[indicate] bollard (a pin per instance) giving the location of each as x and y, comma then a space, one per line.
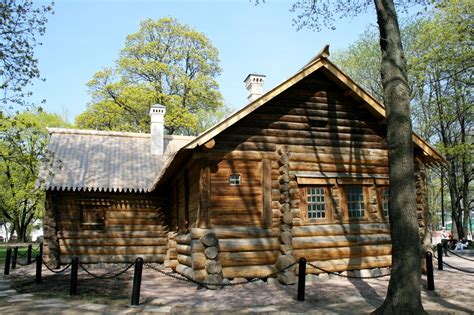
429, 271
439, 247
74, 268
137, 280
28, 257
8, 259
301, 278
39, 263
14, 257
41, 249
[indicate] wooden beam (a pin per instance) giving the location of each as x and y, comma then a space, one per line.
267, 193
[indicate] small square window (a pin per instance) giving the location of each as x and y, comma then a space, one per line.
234, 179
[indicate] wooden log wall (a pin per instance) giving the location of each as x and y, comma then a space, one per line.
134, 226
248, 252
323, 130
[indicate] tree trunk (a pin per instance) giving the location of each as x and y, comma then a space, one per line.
404, 290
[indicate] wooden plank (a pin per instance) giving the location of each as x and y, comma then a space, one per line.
84, 234
150, 241
230, 259
113, 250
249, 244
235, 232
230, 220
267, 193
346, 264
339, 240
318, 254
341, 229
91, 259
249, 272
204, 212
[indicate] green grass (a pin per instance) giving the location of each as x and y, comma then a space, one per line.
22, 251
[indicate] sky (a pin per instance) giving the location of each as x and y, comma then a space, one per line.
84, 36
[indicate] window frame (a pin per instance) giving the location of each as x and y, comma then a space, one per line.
381, 190
345, 205
93, 206
304, 202
237, 177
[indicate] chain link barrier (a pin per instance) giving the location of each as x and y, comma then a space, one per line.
460, 256
26, 264
56, 271
455, 268
104, 277
348, 276
181, 277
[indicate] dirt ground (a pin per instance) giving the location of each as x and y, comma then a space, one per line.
454, 292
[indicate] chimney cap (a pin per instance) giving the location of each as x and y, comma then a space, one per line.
254, 75
158, 106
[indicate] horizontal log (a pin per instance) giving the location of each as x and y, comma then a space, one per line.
152, 214
112, 250
346, 264
248, 271
333, 149
340, 229
183, 239
185, 260
133, 221
188, 272
316, 157
236, 154
229, 259
229, 220
248, 244
234, 232
339, 240
346, 168
197, 246
66, 259
113, 242
198, 260
183, 249
320, 254
87, 234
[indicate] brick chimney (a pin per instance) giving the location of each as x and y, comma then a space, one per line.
157, 128
254, 85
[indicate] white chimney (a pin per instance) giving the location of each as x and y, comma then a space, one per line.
157, 128
254, 85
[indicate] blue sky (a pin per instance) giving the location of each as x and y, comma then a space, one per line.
83, 36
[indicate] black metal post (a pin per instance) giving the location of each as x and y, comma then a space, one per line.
39, 265
41, 249
74, 268
301, 278
439, 248
8, 260
28, 257
429, 271
137, 281
14, 257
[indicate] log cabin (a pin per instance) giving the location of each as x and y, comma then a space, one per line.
300, 171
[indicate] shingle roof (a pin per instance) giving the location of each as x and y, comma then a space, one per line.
91, 160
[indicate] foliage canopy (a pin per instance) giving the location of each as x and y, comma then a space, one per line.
165, 63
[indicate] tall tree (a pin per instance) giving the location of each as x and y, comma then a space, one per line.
165, 62
23, 141
404, 291
442, 91
21, 23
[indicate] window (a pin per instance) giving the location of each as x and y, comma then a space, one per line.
316, 202
234, 179
355, 201
384, 200
93, 213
